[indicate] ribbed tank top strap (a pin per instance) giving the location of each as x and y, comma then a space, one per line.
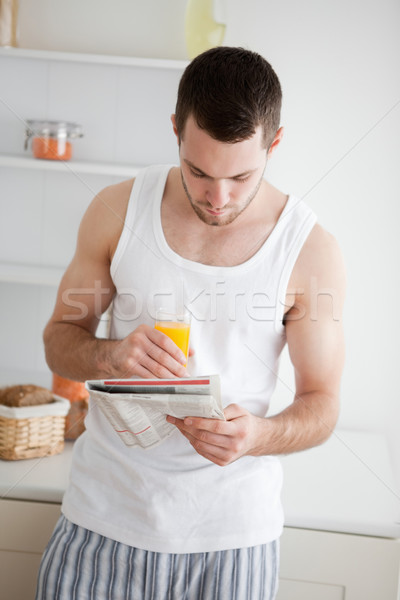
138, 202
301, 221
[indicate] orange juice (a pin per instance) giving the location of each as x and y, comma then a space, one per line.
178, 332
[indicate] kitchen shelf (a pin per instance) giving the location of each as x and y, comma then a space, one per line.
30, 274
129, 61
73, 166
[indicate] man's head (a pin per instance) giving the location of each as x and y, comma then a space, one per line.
230, 92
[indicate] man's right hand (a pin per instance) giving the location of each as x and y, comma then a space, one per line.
147, 352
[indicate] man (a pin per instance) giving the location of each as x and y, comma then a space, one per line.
198, 516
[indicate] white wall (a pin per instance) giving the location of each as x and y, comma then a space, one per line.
338, 63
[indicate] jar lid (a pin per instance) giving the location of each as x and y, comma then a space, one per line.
54, 129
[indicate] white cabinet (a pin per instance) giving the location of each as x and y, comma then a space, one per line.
320, 565
25, 529
315, 565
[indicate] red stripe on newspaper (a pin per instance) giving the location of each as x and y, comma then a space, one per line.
144, 382
133, 432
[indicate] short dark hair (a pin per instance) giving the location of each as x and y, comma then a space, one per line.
230, 92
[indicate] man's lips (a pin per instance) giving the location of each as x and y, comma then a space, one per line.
215, 213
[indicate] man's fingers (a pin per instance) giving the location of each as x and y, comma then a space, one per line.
233, 411
207, 446
208, 431
169, 369
153, 354
164, 343
222, 442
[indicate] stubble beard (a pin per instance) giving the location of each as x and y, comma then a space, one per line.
233, 214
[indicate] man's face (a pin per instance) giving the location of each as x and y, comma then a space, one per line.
220, 179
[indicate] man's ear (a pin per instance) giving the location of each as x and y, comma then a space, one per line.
276, 141
173, 121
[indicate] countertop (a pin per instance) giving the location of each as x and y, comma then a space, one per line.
345, 485
39, 479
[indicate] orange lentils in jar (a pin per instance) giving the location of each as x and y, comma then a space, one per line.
51, 148
51, 139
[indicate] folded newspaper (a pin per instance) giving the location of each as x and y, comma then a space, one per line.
137, 408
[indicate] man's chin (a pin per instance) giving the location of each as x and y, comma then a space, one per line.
214, 219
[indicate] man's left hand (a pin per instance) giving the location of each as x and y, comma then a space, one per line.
221, 442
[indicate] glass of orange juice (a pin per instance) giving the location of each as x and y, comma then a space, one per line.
176, 326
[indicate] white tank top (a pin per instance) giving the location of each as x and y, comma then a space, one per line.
169, 498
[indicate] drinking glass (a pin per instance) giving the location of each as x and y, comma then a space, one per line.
176, 325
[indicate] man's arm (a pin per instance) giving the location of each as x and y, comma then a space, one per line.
86, 291
315, 340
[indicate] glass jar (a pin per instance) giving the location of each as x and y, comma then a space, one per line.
51, 139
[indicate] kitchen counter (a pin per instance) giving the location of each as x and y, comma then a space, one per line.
39, 479
345, 485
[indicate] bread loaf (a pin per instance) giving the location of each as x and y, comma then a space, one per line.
25, 395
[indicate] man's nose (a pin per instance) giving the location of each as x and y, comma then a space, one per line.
218, 193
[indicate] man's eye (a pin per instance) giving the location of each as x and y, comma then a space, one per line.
242, 179
199, 175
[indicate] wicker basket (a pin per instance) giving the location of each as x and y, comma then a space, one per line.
34, 431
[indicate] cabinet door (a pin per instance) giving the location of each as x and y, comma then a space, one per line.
335, 566
25, 529
18, 574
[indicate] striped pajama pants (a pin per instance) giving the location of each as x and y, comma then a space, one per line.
81, 565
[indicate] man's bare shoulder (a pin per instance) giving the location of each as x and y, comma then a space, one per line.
320, 258
106, 214
319, 272
113, 200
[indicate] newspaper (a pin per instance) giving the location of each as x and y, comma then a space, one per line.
137, 408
